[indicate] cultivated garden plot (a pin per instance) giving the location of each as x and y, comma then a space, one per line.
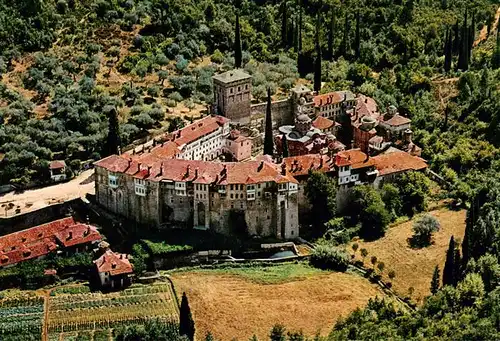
94, 314
21, 317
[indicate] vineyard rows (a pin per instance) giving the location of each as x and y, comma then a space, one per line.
78, 312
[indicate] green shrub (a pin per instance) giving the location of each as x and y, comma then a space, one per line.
329, 257
162, 248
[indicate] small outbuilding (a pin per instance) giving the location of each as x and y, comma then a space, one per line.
57, 170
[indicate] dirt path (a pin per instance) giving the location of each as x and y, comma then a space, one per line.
483, 34
34, 199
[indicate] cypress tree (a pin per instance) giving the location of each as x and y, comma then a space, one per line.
448, 52
268, 137
113, 141
467, 241
237, 44
495, 62
472, 35
343, 47
435, 280
186, 323
456, 41
299, 29
357, 40
331, 36
457, 266
317, 65
449, 265
284, 30
284, 144
299, 41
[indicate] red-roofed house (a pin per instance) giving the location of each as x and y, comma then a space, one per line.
354, 168
114, 269
63, 234
325, 125
396, 162
330, 105
238, 146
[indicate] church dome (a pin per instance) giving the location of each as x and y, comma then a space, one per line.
303, 118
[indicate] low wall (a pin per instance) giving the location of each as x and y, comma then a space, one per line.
75, 207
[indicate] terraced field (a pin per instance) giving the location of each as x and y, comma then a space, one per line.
92, 316
21, 318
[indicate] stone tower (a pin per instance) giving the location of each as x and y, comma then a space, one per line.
232, 90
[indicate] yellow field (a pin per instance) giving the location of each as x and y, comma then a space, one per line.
236, 303
414, 267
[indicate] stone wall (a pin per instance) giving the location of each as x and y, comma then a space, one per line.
75, 207
282, 111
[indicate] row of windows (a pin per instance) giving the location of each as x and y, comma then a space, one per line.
239, 88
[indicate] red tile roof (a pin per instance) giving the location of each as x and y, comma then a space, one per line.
57, 164
300, 165
366, 106
197, 129
43, 239
327, 99
396, 120
114, 263
166, 150
354, 158
196, 170
323, 123
397, 162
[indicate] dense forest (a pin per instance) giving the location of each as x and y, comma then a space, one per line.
74, 70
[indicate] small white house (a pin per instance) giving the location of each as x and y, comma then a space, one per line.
57, 170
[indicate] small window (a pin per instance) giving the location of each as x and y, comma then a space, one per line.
239, 88
246, 87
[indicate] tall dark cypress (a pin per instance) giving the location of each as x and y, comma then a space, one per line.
299, 29
449, 265
435, 280
331, 36
457, 266
464, 46
284, 146
467, 241
448, 52
317, 65
345, 44
237, 44
113, 141
357, 40
472, 36
284, 23
495, 62
268, 137
456, 40
186, 322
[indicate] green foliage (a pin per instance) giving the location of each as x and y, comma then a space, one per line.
321, 192
161, 249
278, 333
423, 229
435, 280
368, 209
329, 257
152, 330
414, 190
